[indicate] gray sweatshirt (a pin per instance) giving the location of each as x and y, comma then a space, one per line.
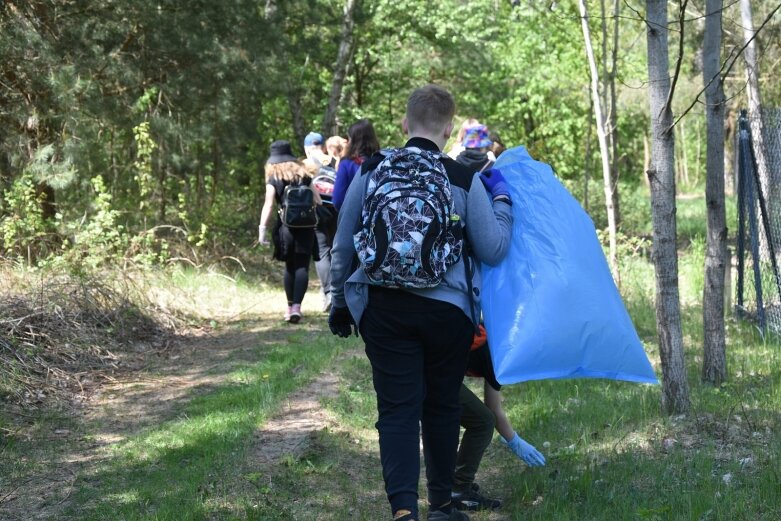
488, 228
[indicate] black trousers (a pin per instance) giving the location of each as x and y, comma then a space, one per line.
418, 350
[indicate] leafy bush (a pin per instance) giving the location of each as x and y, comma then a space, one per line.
22, 227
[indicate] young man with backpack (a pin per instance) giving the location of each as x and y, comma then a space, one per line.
419, 224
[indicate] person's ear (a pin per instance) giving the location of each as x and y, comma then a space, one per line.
405, 126
449, 130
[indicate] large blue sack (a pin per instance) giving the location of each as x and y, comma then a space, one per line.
551, 308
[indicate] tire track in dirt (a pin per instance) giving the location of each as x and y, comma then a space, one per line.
290, 431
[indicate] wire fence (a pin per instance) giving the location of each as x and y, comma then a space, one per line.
759, 219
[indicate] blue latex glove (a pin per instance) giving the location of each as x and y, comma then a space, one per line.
525, 451
495, 183
341, 322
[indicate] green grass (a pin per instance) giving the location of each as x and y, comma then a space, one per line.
176, 470
613, 455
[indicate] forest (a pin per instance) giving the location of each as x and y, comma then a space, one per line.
134, 138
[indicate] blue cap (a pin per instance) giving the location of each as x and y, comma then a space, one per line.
313, 139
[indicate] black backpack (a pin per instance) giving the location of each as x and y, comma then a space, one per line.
298, 207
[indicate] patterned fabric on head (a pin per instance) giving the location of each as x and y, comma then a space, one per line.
477, 137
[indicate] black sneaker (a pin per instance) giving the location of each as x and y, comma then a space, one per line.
454, 515
472, 500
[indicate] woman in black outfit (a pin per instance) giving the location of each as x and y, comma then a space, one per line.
293, 246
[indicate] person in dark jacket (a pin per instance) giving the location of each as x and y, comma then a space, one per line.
293, 246
417, 340
361, 145
476, 147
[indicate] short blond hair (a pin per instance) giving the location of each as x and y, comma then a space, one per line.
430, 108
335, 145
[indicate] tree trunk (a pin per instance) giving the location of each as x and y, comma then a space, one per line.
613, 116
297, 115
604, 150
609, 105
755, 112
714, 365
587, 162
346, 48
684, 155
661, 176
162, 174
729, 151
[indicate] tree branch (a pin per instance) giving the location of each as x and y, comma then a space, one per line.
723, 65
679, 61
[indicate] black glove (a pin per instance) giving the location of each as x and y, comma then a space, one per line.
341, 322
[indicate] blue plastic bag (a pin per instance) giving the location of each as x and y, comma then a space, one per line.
551, 308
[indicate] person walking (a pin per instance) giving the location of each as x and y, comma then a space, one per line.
292, 245
476, 147
417, 340
458, 144
479, 419
335, 147
362, 143
318, 161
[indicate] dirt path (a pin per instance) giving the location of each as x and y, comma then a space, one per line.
117, 410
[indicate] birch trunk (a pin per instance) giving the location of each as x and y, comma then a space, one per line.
346, 49
604, 150
714, 365
611, 121
661, 177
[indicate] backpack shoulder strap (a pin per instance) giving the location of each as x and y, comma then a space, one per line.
486, 165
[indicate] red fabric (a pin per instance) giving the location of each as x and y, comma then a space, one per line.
479, 339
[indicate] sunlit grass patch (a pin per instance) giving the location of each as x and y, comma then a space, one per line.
214, 295
176, 468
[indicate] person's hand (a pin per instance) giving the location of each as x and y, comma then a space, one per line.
262, 236
525, 451
341, 322
495, 183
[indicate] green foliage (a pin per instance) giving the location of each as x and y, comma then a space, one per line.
45, 167
145, 147
22, 225
99, 238
175, 108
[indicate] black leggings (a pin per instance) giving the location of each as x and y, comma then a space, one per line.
296, 277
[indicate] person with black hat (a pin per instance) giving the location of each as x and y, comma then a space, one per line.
293, 246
